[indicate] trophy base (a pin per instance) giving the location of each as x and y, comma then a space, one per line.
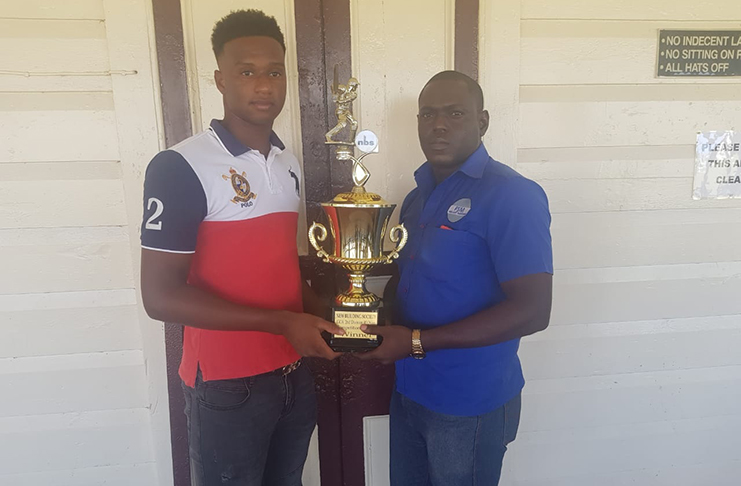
350, 319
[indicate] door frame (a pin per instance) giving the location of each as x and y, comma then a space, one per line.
348, 389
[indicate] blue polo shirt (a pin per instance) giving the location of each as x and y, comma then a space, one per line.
482, 226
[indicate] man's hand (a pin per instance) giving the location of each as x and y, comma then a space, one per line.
303, 331
396, 345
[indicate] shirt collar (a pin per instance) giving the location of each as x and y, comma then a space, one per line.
234, 146
473, 167
476, 163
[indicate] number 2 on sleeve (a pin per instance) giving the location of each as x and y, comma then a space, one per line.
151, 224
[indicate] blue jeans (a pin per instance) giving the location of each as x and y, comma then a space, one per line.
251, 431
434, 449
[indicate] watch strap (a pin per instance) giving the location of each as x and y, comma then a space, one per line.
418, 351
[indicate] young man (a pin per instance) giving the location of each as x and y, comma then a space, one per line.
475, 276
220, 258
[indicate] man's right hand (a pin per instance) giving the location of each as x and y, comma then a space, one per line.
303, 331
168, 297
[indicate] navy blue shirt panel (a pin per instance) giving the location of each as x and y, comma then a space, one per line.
174, 204
483, 225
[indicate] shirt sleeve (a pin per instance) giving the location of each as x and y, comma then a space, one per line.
519, 233
174, 205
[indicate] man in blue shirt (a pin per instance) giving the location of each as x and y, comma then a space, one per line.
475, 276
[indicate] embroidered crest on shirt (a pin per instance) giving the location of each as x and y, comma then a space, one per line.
241, 186
459, 209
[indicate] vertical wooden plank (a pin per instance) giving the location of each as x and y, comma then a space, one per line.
337, 51
322, 40
467, 37
129, 32
168, 31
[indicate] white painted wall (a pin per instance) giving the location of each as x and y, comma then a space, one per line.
638, 379
81, 367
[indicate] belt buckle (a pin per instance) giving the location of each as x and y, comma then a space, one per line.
290, 368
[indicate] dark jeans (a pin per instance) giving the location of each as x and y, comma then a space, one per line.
251, 431
434, 449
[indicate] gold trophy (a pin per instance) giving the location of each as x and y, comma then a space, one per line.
358, 222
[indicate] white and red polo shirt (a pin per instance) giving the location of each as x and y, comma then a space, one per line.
236, 211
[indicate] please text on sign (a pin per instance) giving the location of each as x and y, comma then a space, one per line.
717, 165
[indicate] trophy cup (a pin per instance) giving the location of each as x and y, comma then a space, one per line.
358, 222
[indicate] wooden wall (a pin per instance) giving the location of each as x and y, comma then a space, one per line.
638, 379
81, 368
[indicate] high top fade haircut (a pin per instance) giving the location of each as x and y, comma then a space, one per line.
473, 86
245, 23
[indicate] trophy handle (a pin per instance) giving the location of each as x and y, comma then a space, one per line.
399, 235
321, 237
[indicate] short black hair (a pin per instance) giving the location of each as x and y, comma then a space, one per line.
245, 23
473, 86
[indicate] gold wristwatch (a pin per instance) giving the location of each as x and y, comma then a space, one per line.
418, 351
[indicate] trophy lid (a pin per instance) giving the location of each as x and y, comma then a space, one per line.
358, 197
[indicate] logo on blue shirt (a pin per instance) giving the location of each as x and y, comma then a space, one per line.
459, 209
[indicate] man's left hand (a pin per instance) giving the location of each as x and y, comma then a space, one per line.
396, 345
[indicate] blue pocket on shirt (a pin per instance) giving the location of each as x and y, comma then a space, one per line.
447, 254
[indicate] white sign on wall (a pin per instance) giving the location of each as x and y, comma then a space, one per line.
717, 165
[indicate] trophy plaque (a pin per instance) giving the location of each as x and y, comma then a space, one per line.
358, 224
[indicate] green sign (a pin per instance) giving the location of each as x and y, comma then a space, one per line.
699, 53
